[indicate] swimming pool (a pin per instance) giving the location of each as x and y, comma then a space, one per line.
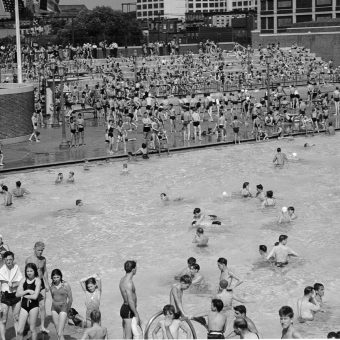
123, 218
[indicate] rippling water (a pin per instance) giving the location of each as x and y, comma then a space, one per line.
123, 218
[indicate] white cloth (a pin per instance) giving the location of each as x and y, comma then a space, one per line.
9, 275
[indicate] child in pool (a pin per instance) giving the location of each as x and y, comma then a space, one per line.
200, 239
200, 219
60, 178
70, 177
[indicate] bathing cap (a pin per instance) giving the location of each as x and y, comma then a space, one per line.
284, 209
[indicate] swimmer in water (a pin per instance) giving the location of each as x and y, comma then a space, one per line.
200, 239
79, 203
280, 158
263, 250
7, 197
307, 306
125, 170
281, 252
269, 201
284, 216
197, 279
86, 165
19, 191
70, 177
319, 292
259, 192
291, 213
165, 198
286, 319
201, 219
170, 325
245, 190
60, 178
186, 270
307, 145
226, 274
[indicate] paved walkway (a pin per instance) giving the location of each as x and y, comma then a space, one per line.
47, 152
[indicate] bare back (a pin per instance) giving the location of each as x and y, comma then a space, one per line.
96, 332
127, 288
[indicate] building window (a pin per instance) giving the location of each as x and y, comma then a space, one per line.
284, 4
205, 5
155, 5
239, 3
323, 2
212, 5
245, 3
138, 1
234, 4
161, 12
161, 5
139, 7
145, 13
198, 5
144, 6
150, 13
139, 14
191, 5
283, 22
149, 6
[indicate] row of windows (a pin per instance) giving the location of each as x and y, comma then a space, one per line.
150, 6
205, 5
149, 13
268, 5
244, 3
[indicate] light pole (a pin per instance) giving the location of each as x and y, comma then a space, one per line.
268, 60
135, 64
52, 66
64, 143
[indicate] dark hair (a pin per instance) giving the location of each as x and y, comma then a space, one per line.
269, 194
317, 286
195, 266
57, 272
191, 261
332, 335
197, 210
259, 186
263, 247
78, 202
185, 279
8, 253
218, 304
282, 238
143, 145
308, 290
276, 244
4, 188
291, 208
241, 309
235, 117
169, 309
200, 230
129, 266
222, 260
240, 323
89, 281
95, 316
245, 184
278, 149
286, 311
32, 266
18, 184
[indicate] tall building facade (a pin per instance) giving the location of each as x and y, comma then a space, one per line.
159, 9
241, 5
275, 16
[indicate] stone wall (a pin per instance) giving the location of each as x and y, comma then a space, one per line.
16, 108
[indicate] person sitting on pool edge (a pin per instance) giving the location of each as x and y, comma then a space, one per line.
170, 325
200, 219
144, 151
200, 238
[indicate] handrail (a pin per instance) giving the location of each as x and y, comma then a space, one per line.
154, 317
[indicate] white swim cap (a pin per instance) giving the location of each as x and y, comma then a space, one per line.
284, 209
294, 154
224, 194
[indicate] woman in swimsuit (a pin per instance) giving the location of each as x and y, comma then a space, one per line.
92, 288
61, 301
29, 289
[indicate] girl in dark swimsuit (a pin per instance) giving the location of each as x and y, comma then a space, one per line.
29, 289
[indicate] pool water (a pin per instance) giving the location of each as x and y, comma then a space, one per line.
123, 218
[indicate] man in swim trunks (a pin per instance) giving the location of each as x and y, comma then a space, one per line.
176, 295
307, 306
241, 329
280, 158
226, 274
281, 252
10, 277
286, 319
200, 239
128, 292
217, 320
40, 261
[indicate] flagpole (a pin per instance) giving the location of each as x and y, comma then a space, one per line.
17, 32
